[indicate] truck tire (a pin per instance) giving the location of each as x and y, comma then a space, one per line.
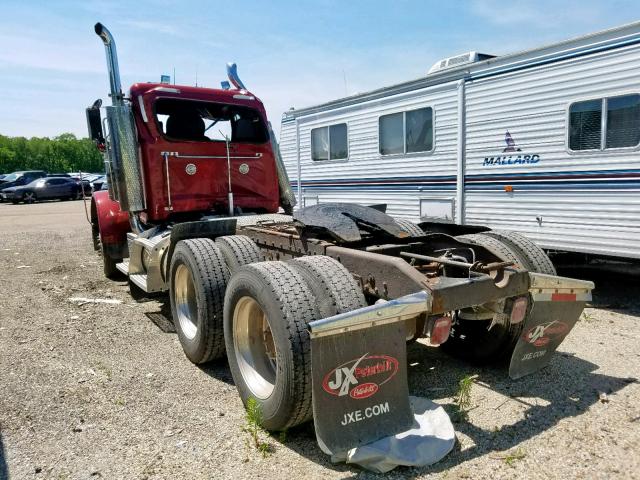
533, 256
238, 250
335, 289
109, 264
477, 341
411, 228
267, 308
497, 247
198, 278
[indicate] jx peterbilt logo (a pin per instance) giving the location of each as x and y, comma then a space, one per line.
513, 157
362, 377
540, 335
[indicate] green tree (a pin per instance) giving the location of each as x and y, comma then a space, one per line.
64, 153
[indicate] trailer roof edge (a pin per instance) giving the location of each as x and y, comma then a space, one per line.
598, 41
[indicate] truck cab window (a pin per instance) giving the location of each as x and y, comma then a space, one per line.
187, 120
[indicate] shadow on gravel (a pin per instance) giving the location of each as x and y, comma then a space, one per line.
162, 319
218, 370
616, 283
4, 469
566, 388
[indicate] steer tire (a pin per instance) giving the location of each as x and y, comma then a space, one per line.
532, 255
473, 340
411, 228
267, 308
109, 264
198, 279
335, 289
238, 250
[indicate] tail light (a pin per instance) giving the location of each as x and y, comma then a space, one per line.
438, 330
519, 309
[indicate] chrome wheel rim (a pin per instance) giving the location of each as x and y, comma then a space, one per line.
29, 197
255, 349
184, 297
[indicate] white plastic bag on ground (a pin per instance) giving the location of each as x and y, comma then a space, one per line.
431, 438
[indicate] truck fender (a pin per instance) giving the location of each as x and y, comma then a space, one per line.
112, 224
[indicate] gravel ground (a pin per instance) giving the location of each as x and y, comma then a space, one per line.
104, 391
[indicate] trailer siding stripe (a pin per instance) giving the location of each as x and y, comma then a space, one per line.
617, 179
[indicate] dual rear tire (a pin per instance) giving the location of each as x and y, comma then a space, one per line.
493, 340
268, 307
224, 298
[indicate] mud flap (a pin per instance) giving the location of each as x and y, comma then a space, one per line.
558, 303
359, 371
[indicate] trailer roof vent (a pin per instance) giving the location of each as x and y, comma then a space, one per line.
451, 62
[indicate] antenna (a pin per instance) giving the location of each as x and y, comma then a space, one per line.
344, 76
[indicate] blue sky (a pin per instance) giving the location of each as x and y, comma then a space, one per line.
289, 53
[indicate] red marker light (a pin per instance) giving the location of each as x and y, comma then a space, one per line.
563, 297
519, 310
439, 330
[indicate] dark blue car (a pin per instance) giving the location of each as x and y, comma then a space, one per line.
49, 188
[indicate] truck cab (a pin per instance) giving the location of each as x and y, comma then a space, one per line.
177, 153
196, 145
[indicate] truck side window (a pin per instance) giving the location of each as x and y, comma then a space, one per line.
406, 132
621, 123
189, 120
330, 143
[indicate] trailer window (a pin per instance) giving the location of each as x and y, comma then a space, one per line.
406, 132
189, 120
419, 130
330, 143
391, 133
621, 123
585, 125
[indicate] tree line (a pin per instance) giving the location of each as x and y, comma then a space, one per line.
62, 154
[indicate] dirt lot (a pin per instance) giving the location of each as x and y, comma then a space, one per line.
104, 390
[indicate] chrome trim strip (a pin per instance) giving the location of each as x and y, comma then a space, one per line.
166, 168
239, 157
398, 310
142, 110
166, 90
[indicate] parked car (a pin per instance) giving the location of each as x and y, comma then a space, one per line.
84, 181
49, 188
98, 182
17, 179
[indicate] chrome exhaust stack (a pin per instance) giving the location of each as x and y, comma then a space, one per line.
125, 179
232, 73
112, 63
287, 197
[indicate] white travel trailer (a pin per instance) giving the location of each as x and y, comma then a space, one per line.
545, 142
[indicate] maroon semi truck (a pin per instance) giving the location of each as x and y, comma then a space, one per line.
312, 307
